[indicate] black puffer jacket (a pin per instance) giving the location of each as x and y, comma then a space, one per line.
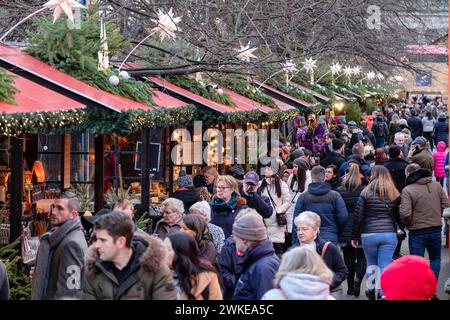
371, 215
350, 199
333, 158
416, 126
396, 168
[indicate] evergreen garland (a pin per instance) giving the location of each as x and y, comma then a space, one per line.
7, 89
294, 92
196, 87
242, 117
74, 51
247, 89
281, 116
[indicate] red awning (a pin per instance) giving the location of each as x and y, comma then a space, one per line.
314, 93
26, 62
283, 106
241, 103
33, 97
293, 99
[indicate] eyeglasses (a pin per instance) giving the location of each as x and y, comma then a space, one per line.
222, 187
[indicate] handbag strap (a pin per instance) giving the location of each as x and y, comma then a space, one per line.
391, 214
283, 293
271, 200
324, 249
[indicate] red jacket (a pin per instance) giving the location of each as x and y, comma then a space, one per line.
439, 159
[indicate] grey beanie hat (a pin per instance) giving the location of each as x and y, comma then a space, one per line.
300, 162
185, 181
250, 227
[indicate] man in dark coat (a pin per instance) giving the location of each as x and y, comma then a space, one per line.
186, 191
396, 166
254, 199
418, 153
327, 203
259, 262
415, 124
335, 156
60, 258
357, 155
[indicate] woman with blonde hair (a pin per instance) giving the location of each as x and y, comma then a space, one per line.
393, 125
211, 175
226, 203
374, 222
302, 276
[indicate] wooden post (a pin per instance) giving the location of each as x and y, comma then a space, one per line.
116, 162
145, 172
99, 172
65, 161
16, 190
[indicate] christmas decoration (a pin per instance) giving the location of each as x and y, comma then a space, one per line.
370, 75
336, 69
348, 71
166, 24
114, 80
309, 65
246, 53
7, 89
289, 67
356, 70
103, 53
63, 6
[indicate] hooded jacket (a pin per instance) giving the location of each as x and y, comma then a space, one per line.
396, 168
364, 165
257, 271
439, 159
148, 278
188, 196
415, 124
423, 201
333, 158
328, 204
228, 266
300, 286
423, 159
441, 130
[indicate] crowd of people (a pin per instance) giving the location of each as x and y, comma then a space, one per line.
298, 230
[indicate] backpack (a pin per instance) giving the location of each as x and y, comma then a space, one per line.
379, 129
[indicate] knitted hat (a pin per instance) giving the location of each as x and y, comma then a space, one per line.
250, 227
337, 144
199, 181
297, 153
300, 162
185, 181
408, 278
421, 141
237, 172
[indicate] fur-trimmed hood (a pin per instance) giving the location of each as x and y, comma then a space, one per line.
150, 248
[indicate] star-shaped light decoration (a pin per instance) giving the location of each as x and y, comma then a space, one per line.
348, 71
356, 70
370, 75
336, 68
380, 76
309, 64
398, 78
63, 6
289, 67
246, 53
166, 24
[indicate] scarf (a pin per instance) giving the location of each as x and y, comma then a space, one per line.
48, 243
222, 207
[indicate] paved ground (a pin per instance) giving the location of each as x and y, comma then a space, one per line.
443, 276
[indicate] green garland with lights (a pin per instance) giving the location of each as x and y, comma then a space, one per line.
196, 87
74, 51
7, 89
247, 89
281, 116
242, 117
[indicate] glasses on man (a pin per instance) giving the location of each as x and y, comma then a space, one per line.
222, 187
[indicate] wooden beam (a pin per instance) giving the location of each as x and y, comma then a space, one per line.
99, 172
145, 172
65, 161
16, 189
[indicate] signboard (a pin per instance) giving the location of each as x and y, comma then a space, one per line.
155, 156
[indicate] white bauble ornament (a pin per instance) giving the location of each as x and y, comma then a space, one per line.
220, 92
114, 81
124, 75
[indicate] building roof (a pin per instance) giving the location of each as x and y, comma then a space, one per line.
427, 49
33, 97
20, 59
308, 90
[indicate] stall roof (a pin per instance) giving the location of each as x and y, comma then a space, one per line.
33, 97
20, 59
242, 103
314, 93
280, 93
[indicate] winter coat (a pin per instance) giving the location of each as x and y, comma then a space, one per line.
423, 201
367, 133
188, 196
333, 259
294, 197
280, 205
333, 158
350, 198
207, 287
423, 159
371, 215
228, 266
364, 165
148, 277
439, 159
380, 129
61, 252
208, 252
396, 168
416, 126
163, 229
441, 131
4, 283
328, 204
300, 286
223, 214
334, 183
257, 271
428, 125
260, 204
391, 132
